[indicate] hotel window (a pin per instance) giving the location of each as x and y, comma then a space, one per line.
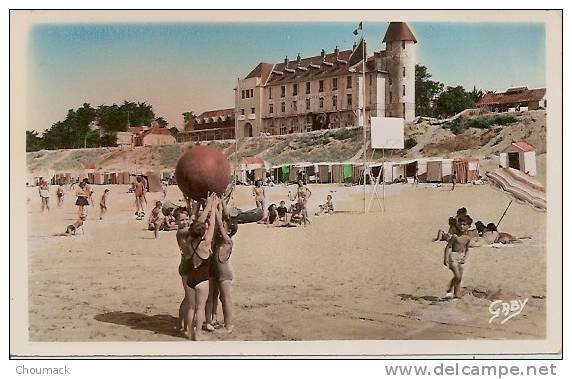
294, 106
252, 111
349, 82
349, 100
389, 81
390, 97
271, 110
307, 103
295, 89
321, 102
282, 129
251, 93
307, 87
270, 93
335, 101
283, 90
404, 90
283, 107
242, 92
403, 110
334, 84
403, 45
403, 71
242, 112
321, 86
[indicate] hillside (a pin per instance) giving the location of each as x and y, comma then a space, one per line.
484, 141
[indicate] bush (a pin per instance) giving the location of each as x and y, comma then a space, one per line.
457, 126
410, 143
479, 123
504, 119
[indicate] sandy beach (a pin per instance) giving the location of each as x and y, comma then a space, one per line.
345, 276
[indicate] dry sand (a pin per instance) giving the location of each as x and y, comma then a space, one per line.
346, 276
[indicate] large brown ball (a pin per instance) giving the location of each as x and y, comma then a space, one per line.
200, 170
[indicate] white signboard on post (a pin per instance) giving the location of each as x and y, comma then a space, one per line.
387, 133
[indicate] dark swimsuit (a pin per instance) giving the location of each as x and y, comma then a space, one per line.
200, 273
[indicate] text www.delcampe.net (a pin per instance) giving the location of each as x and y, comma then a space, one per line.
487, 370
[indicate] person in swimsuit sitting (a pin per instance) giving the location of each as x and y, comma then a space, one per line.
328, 207
282, 212
222, 270
195, 246
455, 256
156, 219
446, 236
271, 216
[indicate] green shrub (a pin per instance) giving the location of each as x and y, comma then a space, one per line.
410, 143
479, 123
504, 119
457, 126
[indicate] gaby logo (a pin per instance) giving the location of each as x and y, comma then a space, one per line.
505, 310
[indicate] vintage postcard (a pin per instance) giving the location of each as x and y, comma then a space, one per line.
286, 183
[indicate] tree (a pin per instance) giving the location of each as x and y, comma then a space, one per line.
162, 122
188, 117
476, 95
33, 141
425, 91
452, 101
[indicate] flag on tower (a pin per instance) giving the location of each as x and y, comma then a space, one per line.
358, 54
358, 28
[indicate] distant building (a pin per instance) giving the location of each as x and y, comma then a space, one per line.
520, 156
324, 91
211, 125
125, 140
514, 99
156, 136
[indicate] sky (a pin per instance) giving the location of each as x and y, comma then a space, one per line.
178, 67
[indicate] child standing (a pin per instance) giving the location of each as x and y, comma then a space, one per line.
103, 204
456, 254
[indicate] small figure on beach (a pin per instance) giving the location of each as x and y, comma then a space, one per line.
44, 191
88, 190
156, 219
60, 194
454, 180
259, 194
271, 216
81, 201
282, 212
302, 196
103, 204
327, 207
456, 255
140, 197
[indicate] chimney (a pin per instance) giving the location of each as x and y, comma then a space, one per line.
298, 59
337, 51
323, 53
286, 60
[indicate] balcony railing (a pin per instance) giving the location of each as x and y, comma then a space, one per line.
252, 116
241, 117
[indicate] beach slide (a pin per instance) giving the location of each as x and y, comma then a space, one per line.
519, 185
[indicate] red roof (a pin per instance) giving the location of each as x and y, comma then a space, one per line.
162, 131
524, 146
261, 71
89, 165
520, 95
253, 160
398, 31
228, 112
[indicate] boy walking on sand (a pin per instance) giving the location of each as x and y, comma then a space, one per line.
456, 254
103, 204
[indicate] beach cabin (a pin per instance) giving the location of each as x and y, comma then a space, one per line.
466, 169
520, 156
254, 168
153, 181
307, 171
323, 172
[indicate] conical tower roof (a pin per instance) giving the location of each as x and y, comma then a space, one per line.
398, 31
